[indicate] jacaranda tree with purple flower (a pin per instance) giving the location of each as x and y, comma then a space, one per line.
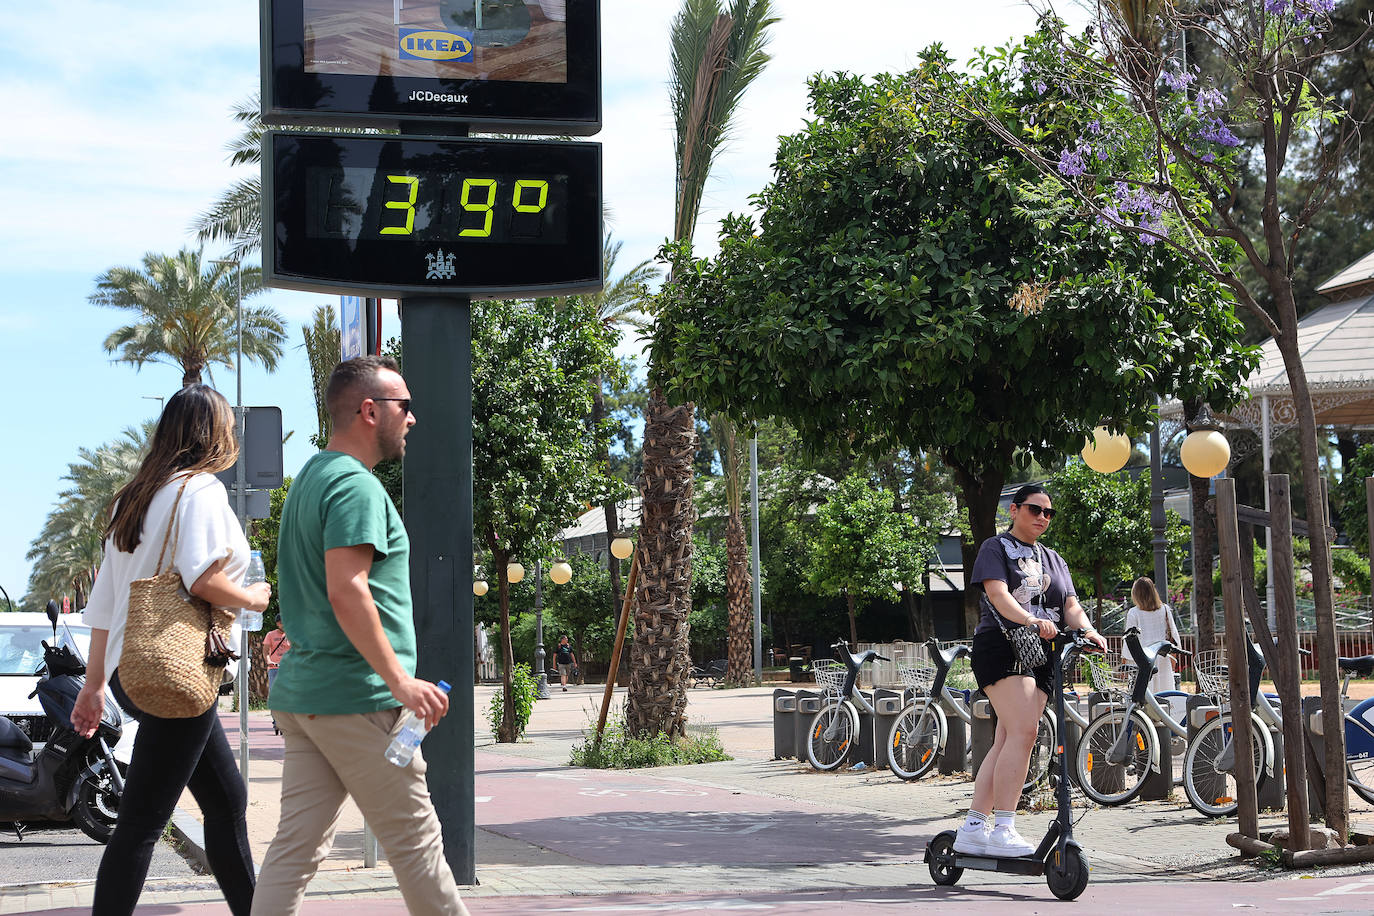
893, 296
1156, 157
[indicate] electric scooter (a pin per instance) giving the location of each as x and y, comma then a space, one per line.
1058, 857
71, 777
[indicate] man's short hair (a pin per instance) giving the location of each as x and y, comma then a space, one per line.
351, 381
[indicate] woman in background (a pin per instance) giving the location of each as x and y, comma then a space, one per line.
1156, 623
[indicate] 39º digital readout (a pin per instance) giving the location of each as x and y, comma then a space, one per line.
432, 206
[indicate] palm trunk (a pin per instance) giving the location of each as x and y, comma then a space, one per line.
612, 521
656, 699
740, 669
257, 666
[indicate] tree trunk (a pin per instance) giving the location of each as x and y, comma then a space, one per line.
505, 732
257, 666
1204, 536
739, 608
853, 626
1097, 583
656, 698
1337, 800
981, 494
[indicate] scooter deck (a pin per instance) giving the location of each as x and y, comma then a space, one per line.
1021, 865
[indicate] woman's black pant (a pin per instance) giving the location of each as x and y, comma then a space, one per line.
171, 755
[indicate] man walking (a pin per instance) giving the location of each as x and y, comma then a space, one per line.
566, 661
344, 581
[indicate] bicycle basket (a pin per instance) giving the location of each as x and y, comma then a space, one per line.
1212, 677
829, 676
918, 677
1106, 673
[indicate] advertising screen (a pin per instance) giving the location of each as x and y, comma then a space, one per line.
524, 66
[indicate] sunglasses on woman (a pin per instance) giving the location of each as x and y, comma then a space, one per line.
1038, 511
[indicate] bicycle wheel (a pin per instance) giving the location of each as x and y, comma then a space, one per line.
1108, 783
1212, 790
913, 743
834, 730
1360, 775
1042, 753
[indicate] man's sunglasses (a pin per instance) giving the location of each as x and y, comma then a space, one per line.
404, 402
1038, 511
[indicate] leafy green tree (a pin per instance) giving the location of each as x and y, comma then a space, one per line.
536, 463
1158, 156
864, 550
894, 296
715, 54
1351, 498
578, 608
187, 314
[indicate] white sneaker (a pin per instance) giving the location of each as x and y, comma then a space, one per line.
972, 841
1004, 842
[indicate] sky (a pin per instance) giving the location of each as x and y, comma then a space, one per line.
116, 141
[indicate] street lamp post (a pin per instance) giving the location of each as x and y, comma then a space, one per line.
240, 500
539, 653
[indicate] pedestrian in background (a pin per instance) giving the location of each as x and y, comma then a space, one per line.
566, 661
1156, 623
194, 440
343, 568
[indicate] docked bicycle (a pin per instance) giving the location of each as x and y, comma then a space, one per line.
834, 731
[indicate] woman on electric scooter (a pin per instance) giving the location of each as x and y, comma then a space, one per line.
194, 440
1028, 584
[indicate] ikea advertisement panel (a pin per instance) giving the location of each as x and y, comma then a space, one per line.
517, 66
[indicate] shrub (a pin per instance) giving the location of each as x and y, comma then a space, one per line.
525, 689
620, 751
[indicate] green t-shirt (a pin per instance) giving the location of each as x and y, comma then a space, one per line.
336, 502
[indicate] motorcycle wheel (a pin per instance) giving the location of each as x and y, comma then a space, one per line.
97, 806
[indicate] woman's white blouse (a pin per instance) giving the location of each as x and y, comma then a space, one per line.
209, 530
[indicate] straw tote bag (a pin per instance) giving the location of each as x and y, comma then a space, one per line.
175, 644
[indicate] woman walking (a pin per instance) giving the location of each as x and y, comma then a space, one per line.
193, 441
1156, 623
1025, 583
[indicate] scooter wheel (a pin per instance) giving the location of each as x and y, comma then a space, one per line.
1068, 877
96, 808
940, 856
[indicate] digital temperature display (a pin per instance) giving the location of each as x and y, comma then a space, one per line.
412, 214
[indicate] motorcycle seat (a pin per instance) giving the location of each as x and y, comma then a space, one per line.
12, 738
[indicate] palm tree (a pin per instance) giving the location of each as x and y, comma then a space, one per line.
622, 302
236, 217
187, 314
322, 350
68, 550
715, 56
739, 612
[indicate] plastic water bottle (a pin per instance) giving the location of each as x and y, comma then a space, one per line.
401, 750
252, 620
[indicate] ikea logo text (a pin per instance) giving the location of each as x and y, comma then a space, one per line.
432, 44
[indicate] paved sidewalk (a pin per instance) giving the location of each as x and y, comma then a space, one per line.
697, 838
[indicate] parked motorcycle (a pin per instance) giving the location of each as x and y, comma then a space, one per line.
70, 778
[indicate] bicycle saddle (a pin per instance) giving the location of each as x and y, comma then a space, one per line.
946, 658
1363, 665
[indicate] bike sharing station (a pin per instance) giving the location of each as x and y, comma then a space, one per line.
431, 215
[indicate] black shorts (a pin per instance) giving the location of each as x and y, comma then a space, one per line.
993, 660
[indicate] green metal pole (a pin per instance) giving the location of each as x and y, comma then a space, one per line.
436, 340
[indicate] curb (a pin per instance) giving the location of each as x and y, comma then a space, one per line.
191, 835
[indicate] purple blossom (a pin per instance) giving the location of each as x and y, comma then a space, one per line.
1177, 80
1210, 100
1094, 127
1071, 163
1040, 87
1208, 157
1215, 131
1277, 7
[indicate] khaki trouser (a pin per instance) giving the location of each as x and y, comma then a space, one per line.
327, 759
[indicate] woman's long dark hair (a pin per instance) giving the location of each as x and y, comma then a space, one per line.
1026, 492
195, 433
